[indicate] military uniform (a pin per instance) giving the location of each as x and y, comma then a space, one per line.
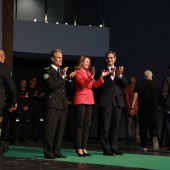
9, 119
23, 116
6, 84
34, 112
55, 110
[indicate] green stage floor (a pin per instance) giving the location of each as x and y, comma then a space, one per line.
127, 160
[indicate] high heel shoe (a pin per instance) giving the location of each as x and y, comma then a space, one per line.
79, 154
86, 154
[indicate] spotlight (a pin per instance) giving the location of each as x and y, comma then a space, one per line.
57, 22
100, 25
66, 23
35, 20
89, 25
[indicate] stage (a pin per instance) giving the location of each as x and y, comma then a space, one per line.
30, 156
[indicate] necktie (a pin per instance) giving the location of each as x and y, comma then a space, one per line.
59, 71
114, 71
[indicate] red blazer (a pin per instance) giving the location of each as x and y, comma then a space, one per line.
84, 83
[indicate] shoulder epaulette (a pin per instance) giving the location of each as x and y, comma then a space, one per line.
47, 68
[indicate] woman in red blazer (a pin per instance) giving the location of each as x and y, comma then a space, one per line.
84, 101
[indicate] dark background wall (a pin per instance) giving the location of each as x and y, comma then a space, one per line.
1, 23
139, 30
139, 34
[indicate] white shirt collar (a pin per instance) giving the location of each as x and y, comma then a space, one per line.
110, 67
55, 67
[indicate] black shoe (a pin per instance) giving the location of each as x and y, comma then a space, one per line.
6, 149
49, 156
108, 153
79, 154
117, 152
59, 155
3, 148
86, 154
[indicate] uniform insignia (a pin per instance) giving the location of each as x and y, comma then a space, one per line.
46, 76
46, 68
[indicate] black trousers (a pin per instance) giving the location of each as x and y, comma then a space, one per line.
1, 114
167, 120
9, 119
110, 116
34, 121
83, 121
22, 129
54, 125
147, 120
70, 124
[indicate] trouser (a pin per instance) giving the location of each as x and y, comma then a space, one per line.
167, 121
23, 124
129, 120
147, 120
2, 143
34, 122
1, 114
9, 119
54, 126
70, 124
83, 121
111, 116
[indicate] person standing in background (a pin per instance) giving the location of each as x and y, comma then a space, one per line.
128, 93
165, 102
147, 93
6, 85
35, 108
9, 120
23, 111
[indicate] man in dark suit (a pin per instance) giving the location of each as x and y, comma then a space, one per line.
6, 85
111, 102
55, 106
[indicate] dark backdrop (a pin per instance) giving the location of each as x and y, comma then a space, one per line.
139, 34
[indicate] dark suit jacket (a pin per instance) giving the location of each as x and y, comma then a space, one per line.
54, 88
6, 84
110, 87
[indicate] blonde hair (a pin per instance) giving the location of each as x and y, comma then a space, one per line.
80, 61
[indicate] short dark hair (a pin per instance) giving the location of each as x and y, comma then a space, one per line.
112, 52
32, 77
